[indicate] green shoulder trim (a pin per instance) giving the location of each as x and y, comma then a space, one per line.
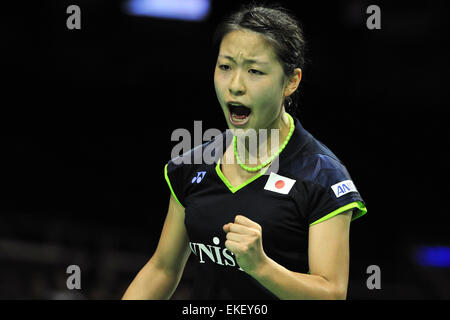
362, 210
170, 186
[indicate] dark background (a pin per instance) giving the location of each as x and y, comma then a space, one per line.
87, 116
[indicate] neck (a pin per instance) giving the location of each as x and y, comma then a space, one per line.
255, 150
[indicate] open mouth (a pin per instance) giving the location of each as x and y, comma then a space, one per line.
239, 113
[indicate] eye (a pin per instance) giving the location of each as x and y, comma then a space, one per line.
256, 72
224, 67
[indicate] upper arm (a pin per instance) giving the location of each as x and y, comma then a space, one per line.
328, 251
173, 249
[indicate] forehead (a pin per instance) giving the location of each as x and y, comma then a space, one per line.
246, 44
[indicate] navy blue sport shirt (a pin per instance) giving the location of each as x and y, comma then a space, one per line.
310, 185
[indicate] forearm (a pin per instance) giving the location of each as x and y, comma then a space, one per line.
152, 283
289, 285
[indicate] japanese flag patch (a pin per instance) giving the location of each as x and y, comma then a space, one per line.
279, 184
343, 187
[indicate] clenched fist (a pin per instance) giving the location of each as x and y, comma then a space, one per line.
244, 239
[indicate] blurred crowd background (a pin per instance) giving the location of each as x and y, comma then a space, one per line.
87, 116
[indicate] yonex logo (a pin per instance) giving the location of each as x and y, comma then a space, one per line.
199, 177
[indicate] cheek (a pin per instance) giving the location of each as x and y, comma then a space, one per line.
218, 85
270, 95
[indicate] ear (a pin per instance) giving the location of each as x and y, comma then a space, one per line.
293, 82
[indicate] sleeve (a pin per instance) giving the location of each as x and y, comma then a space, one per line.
333, 192
174, 177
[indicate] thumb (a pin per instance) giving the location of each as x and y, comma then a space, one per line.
226, 227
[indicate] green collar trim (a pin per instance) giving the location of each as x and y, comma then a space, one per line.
237, 188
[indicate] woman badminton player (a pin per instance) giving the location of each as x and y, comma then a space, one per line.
277, 228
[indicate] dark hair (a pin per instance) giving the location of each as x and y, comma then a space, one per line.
279, 27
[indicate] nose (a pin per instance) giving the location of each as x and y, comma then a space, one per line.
237, 87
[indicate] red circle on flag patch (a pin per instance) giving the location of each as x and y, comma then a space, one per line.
279, 184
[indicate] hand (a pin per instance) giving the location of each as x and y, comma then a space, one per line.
244, 239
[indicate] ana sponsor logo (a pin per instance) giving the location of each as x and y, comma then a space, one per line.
343, 188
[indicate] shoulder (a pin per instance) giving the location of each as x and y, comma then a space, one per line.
183, 170
307, 158
317, 164
194, 159
324, 169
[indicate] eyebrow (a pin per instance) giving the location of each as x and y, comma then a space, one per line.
249, 61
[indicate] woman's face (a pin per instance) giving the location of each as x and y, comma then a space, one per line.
248, 72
